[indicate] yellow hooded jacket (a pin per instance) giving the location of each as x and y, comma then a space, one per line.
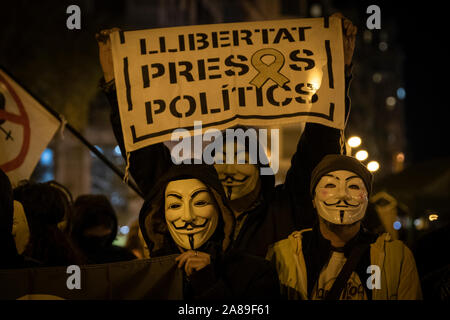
399, 277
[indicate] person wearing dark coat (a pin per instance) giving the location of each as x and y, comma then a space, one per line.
93, 227
45, 206
267, 213
187, 213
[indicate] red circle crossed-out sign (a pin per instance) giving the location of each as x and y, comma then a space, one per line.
21, 119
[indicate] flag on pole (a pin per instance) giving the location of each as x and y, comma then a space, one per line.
26, 128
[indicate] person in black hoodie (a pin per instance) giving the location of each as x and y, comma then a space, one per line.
93, 227
187, 212
45, 206
265, 213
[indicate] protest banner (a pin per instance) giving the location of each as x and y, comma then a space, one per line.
26, 128
265, 73
156, 279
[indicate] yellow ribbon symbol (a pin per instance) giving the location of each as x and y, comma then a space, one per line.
268, 71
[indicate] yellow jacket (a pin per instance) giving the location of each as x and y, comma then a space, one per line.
399, 277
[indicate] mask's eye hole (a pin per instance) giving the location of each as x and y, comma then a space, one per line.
174, 206
354, 187
201, 203
330, 185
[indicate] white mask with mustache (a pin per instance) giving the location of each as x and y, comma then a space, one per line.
191, 213
238, 174
341, 197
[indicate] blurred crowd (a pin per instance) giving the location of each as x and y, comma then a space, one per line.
42, 226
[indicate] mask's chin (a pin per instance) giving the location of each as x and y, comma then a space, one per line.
338, 228
236, 191
193, 240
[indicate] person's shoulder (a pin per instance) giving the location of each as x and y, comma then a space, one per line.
292, 242
387, 239
386, 242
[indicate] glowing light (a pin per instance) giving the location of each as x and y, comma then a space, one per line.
314, 82
354, 141
47, 157
124, 230
400, 157
377, 77
397, 225
419, 224
362, 155
373, 166
316, 10
433, 217
117, 150
401, 93
390, 102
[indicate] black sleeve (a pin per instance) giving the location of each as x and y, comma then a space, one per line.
316, 141
146, 164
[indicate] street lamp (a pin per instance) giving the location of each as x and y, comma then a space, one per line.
362, 155
354, 141
373, 166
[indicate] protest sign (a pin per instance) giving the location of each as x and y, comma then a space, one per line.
26, 128
265, 73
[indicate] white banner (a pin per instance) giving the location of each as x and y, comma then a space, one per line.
26, 128
263, 73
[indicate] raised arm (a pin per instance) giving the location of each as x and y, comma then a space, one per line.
318, 140
146, 164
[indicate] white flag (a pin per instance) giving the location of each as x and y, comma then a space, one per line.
26, 128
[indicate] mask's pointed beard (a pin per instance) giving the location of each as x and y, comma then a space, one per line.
342, 215
229, 192
191, 241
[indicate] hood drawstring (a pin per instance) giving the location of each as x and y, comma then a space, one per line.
125, 177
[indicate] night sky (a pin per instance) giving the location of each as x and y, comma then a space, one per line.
422, 35
425, 34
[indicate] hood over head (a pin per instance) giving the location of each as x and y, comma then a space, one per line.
43, 203
90, 211
152, 215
